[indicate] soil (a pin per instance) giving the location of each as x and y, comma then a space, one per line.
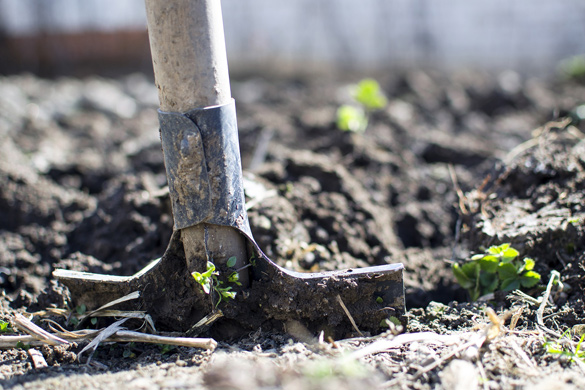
454, 163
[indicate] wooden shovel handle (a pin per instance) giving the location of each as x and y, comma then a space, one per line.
191, 71
188, 53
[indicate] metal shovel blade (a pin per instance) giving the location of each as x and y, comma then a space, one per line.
274, 296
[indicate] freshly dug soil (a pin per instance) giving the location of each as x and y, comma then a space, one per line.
454, 163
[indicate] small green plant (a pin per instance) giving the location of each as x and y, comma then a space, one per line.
129, 351
21, 345
573, 68
166, 348
496, 269
5, 327
210, 282
81, 309
557, 348
368, 96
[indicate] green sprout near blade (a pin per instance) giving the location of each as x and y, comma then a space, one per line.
368, 96
210, 282
496, 269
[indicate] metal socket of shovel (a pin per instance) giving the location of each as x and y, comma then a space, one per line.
202, 159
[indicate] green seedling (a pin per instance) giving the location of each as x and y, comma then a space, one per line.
496, 269
5, 327
573, 68
165, 348
21, 345
128, 351
210, 282
367, 96
350, 118
556, 348
81, 309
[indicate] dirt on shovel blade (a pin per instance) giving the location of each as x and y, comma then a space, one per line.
83, 187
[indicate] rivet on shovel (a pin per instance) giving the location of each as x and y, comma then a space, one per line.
202, 159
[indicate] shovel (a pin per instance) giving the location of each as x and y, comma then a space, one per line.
202, 160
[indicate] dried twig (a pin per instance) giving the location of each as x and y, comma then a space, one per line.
127, 336
15, 341
540, 312
348, 315
104, 334
205, 323
26, 325
114, 334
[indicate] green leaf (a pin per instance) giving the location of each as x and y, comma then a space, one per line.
510, 284
350, 118
81, 309
234, 277
231, 261
166, 348
379, 300
498, 249
228, 294
395, 320
478, 256
204, 281
369, 94
93, 320
489, 263
507, 271
197, 276
471, 269
206, 284
509, 254
21, 345
5, 326
489, 282
529, 278
210, 270
529, 264
462, 277
573, 68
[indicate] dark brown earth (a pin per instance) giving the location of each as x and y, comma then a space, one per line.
82, 187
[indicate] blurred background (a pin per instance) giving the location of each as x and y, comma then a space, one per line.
109, 37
